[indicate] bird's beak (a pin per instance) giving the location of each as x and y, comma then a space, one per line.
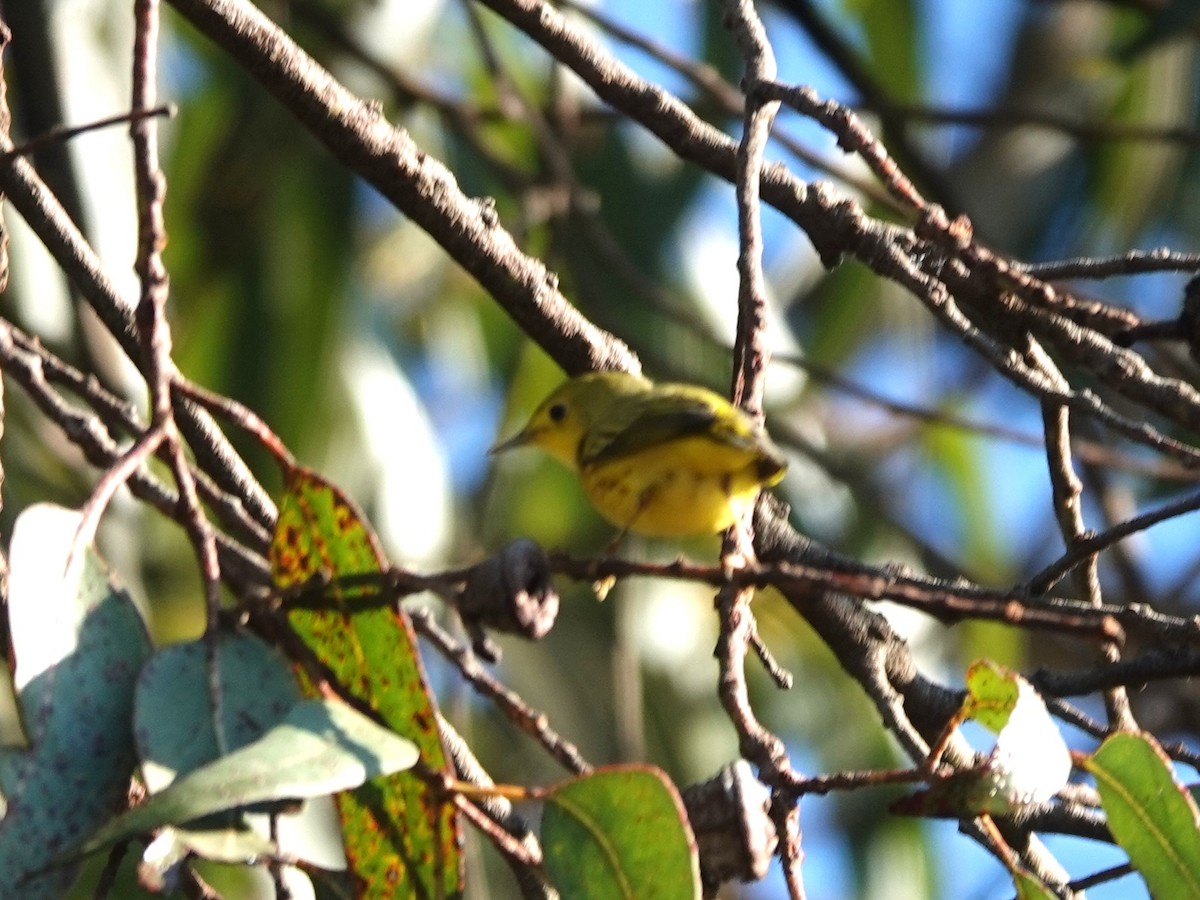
520, 439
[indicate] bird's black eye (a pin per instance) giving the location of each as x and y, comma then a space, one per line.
557, 412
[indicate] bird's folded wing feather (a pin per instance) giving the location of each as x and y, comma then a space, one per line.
655, 424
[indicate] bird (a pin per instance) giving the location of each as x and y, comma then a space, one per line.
661, 460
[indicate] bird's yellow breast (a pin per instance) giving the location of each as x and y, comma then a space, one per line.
687, 486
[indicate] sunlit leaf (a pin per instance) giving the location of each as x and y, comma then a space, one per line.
319, 748
401, 838
992, 694
79, 642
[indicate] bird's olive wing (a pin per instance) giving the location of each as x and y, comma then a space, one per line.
658, 421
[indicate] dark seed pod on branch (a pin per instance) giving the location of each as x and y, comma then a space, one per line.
510, 592
734, 831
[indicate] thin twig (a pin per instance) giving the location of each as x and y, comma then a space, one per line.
727, 97
66, 133
1044, 580
1012, 117
1066, 495
1135, 262
514, 708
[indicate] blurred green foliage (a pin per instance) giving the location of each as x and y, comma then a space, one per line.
291, 283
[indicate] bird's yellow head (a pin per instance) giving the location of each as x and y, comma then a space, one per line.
559, 424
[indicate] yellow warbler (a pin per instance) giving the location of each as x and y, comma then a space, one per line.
658, 459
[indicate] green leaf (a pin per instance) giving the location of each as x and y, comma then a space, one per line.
175, 725
959, 462
1131, 182
277, 264
401, 837
1149, 814
620, 833
893, 43
320, 747
79, 643
992, 693
1030, 887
